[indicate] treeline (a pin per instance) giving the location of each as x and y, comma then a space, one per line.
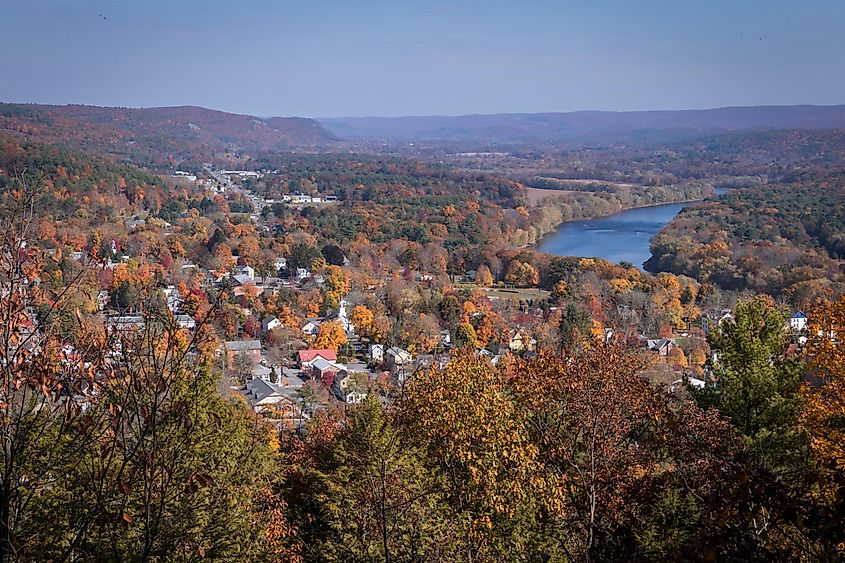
557, 459
778, 239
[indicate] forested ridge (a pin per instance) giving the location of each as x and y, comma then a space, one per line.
775, 238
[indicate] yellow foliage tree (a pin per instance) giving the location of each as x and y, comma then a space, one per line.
331, 336
362, 319
824, 406
484, 277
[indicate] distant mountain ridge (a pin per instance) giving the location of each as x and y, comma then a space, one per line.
150, 135
588, 126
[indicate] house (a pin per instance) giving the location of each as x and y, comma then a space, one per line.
399, 357
798, 321
266, 397
350, 387
662, 346
126, 322
520, 341
103, 299
429, 361
377, 353
302, 273
186, 321
245, 271
280, 264
248, 348
172, 298
307, 357
312, 327
270, 323
445, 337
325, 371
243, 279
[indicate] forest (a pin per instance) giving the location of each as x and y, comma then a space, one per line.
781, 239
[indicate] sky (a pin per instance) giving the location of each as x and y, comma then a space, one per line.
406, 57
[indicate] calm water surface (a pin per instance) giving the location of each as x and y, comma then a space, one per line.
623, 236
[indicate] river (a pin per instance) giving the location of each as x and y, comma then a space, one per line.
622, 236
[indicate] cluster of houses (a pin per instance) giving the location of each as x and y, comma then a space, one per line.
300, 198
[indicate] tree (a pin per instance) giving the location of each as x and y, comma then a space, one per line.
450, 308
465, 336
336, 286
824, 404
483, 276
574, 327
469, 426
375, 496
522, 274
362, 320
756, 386
333, 254
151, 483
242, 366
330, 336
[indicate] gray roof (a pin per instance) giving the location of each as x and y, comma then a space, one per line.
258, 389
243, 345
243, 279
323, 364
658, 344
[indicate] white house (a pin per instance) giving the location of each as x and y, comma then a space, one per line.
172, 298
398, 356
377, 352
798, 321
270, 323
248, 271
311, 328
186, 321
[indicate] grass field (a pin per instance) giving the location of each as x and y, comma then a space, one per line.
509, 292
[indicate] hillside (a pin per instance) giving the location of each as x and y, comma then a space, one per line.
158, 135
776, 238
584, 126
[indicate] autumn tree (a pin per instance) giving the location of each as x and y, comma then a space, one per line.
362, 319
574, 326
483, 276
330, 336
522, 274
464, 417
465, 336
824, 410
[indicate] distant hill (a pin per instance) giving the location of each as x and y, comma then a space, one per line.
156, 135
584, 126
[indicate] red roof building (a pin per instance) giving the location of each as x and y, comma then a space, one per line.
307, 357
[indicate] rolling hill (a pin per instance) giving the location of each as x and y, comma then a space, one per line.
584, 126
158, 135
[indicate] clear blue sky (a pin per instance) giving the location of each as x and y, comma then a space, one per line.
395, 57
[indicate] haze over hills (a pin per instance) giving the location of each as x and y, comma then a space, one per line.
583, 126
149, 134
